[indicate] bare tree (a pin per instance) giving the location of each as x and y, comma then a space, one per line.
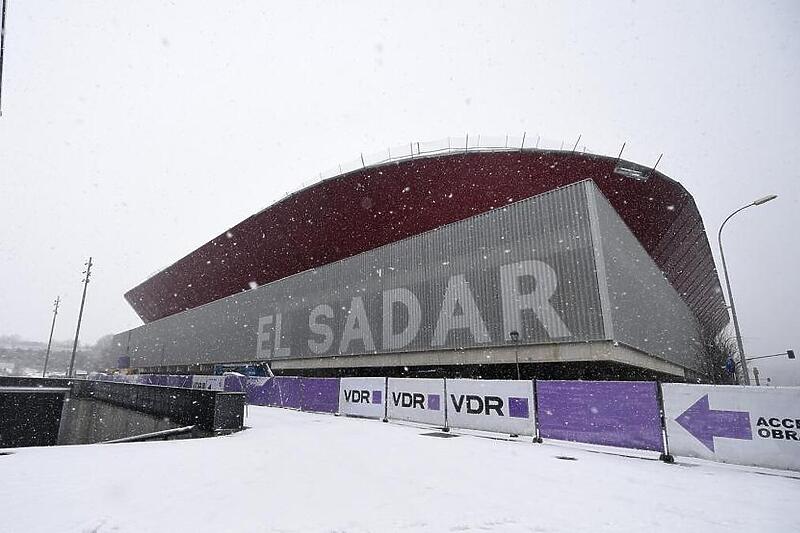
99, 356
715, 350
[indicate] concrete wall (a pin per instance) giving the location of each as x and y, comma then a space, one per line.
88, 421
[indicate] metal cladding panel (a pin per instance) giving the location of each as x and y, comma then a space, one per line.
527, 266
684, 254
375, 206
646, 311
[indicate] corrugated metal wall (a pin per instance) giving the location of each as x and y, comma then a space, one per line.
647, 313
527, 266
684, 252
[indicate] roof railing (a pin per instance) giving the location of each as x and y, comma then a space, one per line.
464, 144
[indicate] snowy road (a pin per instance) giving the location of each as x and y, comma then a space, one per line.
303, 472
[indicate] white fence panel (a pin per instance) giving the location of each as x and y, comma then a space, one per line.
757, 426
416, 400
208, 382
491, 405
362, 397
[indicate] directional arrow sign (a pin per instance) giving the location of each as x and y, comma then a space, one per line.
704, 424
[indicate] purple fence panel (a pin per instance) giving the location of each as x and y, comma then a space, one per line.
184, 382
262, 391
320, 394
163, 380
612, 413
235, 383
289, 392
276, 392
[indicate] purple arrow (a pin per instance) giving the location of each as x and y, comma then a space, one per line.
704, 424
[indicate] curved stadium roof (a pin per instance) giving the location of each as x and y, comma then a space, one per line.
366, 208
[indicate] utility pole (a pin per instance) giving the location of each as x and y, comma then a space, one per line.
50, 341
88, 273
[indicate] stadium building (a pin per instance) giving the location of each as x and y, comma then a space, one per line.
456, 262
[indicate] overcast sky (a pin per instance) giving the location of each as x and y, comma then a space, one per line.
137, 131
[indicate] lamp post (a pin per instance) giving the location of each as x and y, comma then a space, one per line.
742, 359
515, 339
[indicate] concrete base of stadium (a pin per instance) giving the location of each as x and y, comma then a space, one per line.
603, 360
607, 351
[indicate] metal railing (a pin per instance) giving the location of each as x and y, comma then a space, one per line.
449, 145
156, 435
421, 149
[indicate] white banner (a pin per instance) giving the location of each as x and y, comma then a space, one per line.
491, 405
362, 397
416, 400
757, 426
208, 382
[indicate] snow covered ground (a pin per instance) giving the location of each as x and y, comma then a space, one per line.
297, 471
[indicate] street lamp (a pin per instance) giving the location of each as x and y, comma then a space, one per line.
742, 359
515, 339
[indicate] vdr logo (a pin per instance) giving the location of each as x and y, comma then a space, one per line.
416, 400
473, 404
363, 396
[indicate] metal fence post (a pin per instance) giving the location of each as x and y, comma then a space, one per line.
280, 392
666, 456
446, 428
302, 389
386, 399
537, 438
